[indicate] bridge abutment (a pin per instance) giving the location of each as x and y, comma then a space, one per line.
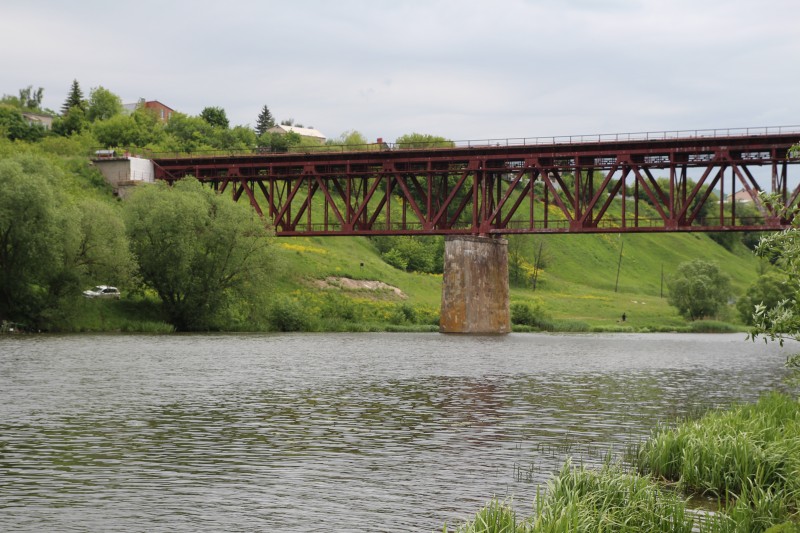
475, 286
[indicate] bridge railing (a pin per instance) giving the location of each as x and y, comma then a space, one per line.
635, 136
492, 142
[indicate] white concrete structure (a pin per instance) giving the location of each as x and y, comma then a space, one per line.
125, 171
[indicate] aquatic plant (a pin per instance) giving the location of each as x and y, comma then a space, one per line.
495, 517
578, 499
609, 499
748, 457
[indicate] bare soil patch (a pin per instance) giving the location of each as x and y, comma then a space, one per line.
367, 285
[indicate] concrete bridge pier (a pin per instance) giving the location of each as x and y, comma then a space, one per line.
475, 286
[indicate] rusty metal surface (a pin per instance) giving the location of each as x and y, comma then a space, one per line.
590, 186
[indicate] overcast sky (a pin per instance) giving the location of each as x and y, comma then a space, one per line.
463, 69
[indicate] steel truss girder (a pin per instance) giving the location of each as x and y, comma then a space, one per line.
604, 187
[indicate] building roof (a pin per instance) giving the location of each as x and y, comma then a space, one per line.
742, 196
303, 132
145, 103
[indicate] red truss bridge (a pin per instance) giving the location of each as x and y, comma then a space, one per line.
706, 180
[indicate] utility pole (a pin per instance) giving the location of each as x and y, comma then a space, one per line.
619, 264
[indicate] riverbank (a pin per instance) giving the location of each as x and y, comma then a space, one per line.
743, 461
350, 310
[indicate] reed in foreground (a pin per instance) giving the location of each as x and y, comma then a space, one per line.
725, 454
578, 499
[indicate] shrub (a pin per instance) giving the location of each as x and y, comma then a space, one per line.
395, 258
768, 290
288, 314
525, 314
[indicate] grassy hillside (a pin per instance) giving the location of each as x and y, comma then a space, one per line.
576, 284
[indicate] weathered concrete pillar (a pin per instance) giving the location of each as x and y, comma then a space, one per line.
475, 286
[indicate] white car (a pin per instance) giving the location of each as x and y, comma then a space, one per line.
102, 291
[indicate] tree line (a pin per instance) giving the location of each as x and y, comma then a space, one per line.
101, 121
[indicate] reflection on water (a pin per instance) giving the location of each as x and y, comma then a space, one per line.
331, 432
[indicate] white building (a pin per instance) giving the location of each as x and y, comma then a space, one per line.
302, 132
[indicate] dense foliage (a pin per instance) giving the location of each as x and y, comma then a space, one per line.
698, 289
51, 243
782, 319
768, 291
197, 250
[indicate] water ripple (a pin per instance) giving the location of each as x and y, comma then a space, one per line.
331, 432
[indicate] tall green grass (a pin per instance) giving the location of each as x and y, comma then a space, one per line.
578, 499
746, 458
726, 453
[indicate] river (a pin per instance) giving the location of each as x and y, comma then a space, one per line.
332, 432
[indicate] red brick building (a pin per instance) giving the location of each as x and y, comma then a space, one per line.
163, 112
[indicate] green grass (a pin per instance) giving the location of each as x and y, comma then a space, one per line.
746, 459
727, 453
575, 290
134, 314
578, 499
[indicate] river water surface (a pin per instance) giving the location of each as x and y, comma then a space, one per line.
332, 432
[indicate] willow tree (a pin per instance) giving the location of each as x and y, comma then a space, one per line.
699, 289
199, 251
52, 245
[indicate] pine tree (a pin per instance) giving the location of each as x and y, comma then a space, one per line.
265, 121
75, 98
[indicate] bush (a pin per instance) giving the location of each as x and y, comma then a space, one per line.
288, 314
768, 290
395, 258
532, 315
414, 254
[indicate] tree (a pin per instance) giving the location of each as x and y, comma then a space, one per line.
30, 237
352, 140
412, 253
187, 134
265, 121
140, 128
699, 289
50, 246
781, 320
215, 116
196, 249
30, 99
419, 140
74, 98
74, 121
14, 126
768, 291
103, 104
279, 142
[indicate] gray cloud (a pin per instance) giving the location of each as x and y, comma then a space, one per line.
463, 69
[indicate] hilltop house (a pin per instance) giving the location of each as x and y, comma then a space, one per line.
163, 112
46, 121
302, 132
742, 196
